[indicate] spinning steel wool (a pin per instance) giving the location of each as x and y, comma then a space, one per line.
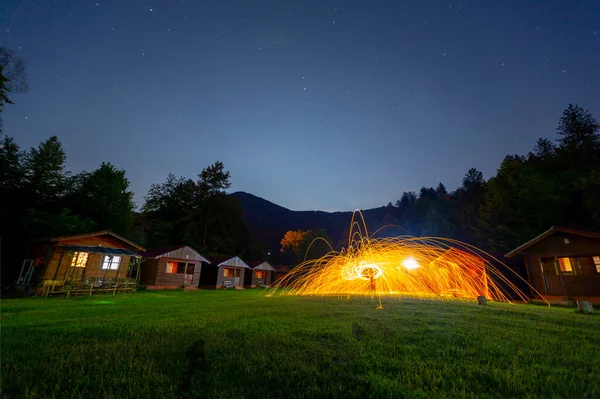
405, 266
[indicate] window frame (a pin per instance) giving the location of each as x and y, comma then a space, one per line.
596, 262
227, 272
111, 262
572, 262
75, 260
179, 267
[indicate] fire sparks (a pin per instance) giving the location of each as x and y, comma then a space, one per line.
405, 266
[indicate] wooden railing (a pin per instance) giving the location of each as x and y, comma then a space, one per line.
90, 286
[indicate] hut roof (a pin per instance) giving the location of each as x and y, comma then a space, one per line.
261, 266
183, 252
233, 261
549, 232
92, 234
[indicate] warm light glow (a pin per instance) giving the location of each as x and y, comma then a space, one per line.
79, 259
565, 264
410, 264
401, 267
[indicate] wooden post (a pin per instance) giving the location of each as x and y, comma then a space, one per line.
118, 272
562, 280
481, 300
65, 278
58, 266
85, 267
105, 270
137, 271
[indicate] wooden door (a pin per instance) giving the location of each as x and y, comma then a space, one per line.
189, 274
236, 278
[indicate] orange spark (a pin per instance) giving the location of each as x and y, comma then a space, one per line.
405, 266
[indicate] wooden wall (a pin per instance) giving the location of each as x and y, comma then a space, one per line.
148, 271
221, 279
586, 281
265, 280
155, 273
56, 271
555, 246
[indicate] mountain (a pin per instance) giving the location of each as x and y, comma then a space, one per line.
268, 222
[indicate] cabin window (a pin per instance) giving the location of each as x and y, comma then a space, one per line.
175, 267
79, 259
566, 265
597, 263
227, 272
111, 262
259, 274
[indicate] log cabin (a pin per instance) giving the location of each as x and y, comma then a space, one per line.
82, 264
261, 275
172, 268
224, 272
563, 264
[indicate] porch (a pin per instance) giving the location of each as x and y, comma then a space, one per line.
87, 270
91, 286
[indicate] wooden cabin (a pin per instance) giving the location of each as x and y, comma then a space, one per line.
261, 275
171, 268
224, 272
82, 264
563, 264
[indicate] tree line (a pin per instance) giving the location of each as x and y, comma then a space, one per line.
39, 197
556, 183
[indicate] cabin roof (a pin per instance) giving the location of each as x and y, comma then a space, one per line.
233, 261
99, 250
261, 266
549, 232
177, 252
92, 234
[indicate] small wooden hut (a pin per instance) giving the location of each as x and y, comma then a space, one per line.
224, 272
81, 264
261, 275
563, 264
171, 268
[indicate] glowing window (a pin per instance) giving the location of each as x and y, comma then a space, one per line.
565, 265
227, 272
597, 263
171, 267
79, 259
111, 262
259, 274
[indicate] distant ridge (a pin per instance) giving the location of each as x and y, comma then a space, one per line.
268, 221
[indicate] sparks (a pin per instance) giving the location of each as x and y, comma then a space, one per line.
405, 266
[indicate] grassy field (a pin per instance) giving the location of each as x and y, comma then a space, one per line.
236, 344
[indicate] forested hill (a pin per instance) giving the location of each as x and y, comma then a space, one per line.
268, 222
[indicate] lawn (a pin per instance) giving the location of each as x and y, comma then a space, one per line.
236, 344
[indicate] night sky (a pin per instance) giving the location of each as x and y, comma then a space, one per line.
316, 104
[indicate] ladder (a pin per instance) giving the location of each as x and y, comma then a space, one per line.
26, 272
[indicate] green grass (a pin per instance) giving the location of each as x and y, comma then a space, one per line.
235, 344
